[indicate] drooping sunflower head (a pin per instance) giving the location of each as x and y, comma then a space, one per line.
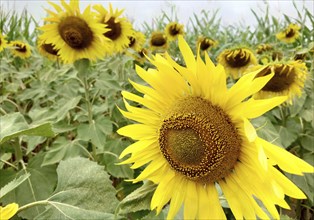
264, 48
20, 49
289, 78
236, 60
47, 50
206, 43
3, 42
120, 29
290, 34
173, 30
75, 35
158, 40
137, 40
194, 134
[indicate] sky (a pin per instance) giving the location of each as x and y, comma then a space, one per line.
231, 12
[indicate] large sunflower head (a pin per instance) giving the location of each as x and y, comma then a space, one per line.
158, 40
119, 28
236, 60
137, 40
290, 34
74, 34
289, 78
20, 49
173, 30
205, 43
194, 136
3, 42
47, 50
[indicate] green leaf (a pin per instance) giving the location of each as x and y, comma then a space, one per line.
13, 184
63, 149
83, 191
99, 130
138, 200
38, 186
66, 211
13, 125
290, 132
110, 158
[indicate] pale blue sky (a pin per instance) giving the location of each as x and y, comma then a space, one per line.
230, 11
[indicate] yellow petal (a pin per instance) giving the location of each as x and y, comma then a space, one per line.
187, 54
249, 130
137, 146
287, 186
138, 131
285, 160
254, 108
8, 211
164, 192
190, 201
232, 199
177, 198
216, 211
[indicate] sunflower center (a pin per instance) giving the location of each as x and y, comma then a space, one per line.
237, 58
173, 30
132, 41
49, 49
21, 48
290, 33
75, 32
115, 29
205, 45
199, 140
283, 78
158, 40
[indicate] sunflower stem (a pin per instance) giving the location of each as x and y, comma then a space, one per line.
83, 66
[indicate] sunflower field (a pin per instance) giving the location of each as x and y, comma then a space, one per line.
100, 120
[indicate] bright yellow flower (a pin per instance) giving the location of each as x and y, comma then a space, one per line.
288, 80
158, 40
263, 48
3, 42
75, 35
193, 136
137, 40
20, 49
173, 30
236, 61
119, 28
47, 50
290, 34
8, 211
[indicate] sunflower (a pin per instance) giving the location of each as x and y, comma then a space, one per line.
264, 48
236, 60
137, 40
195, 136
206, 43
8, 211
20, 49
158, 40
75, 35
119, 28
290, 34
47, 50
173, 30
288, 80
3, 42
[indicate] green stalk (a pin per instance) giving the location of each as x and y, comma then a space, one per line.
83, 67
